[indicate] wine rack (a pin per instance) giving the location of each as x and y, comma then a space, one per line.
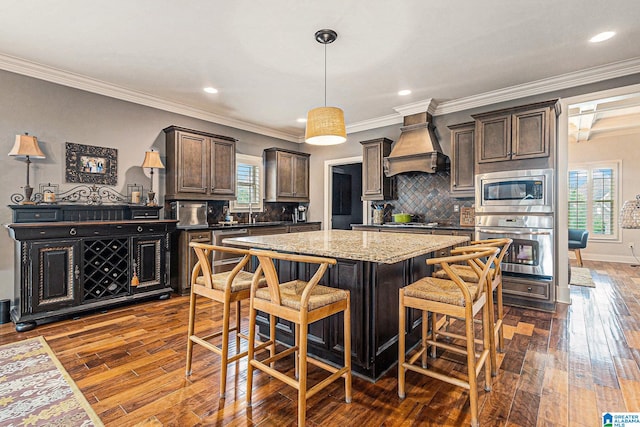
106, 268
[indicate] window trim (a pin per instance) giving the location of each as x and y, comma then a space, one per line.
256, 161
616, 165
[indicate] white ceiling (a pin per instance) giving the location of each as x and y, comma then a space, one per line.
263, 58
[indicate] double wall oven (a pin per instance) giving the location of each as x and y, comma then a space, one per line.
519, 205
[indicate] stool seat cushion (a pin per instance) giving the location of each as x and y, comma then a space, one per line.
440, 290
465, 272
291, 294
240, 283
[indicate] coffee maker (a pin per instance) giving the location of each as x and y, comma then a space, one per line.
300, 214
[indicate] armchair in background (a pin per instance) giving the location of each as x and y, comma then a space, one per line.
578, 240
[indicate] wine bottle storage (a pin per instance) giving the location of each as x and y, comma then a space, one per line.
106, 268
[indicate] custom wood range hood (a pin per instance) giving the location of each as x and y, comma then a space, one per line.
417, 149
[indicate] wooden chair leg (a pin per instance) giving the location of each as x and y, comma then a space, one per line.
347, 350
500, 317
401, 345
190, 331
226, 313
238, 326
250, 352
471, 366
488, 342
578, 256
302, 371
490, 309
425, 333
272, 337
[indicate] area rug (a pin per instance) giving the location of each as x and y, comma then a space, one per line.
581, 277
36, 390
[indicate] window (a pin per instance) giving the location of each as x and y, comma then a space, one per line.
594, 194
249, 184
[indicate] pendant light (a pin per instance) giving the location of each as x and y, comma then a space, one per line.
325, 125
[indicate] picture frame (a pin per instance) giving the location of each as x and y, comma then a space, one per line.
90, 164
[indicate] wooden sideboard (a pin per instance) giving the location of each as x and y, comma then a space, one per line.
67, 267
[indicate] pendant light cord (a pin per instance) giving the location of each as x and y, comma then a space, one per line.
325, 74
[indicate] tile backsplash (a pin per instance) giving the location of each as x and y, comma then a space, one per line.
426, 196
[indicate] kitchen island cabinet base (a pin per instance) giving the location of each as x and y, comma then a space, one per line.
374, 313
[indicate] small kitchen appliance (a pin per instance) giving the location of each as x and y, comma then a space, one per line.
300, 214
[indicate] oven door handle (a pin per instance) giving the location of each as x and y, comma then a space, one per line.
530, 233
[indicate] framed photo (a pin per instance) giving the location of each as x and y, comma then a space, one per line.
91, 165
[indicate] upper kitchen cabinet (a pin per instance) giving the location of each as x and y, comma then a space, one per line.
520, 133
287, 175
200, 165
375, 184
462, 159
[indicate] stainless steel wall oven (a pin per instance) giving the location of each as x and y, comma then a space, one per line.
531, 252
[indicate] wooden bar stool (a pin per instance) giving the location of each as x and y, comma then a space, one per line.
457, 298
302, 303
467, 274
226, 288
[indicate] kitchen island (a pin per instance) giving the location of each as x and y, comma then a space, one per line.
373, 267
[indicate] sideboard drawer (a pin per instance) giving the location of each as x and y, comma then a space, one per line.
40, 215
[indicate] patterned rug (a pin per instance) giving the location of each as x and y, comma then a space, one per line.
35, 389
581, 277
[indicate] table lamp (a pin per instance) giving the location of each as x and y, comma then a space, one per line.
27, 146
152, 160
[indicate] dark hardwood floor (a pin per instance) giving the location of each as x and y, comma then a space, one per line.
558, 369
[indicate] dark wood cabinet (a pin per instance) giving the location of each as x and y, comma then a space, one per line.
462, 159
302, 227
62, 268
187, 258
375, 184
521, 133
200, 165
55, 268
287, 175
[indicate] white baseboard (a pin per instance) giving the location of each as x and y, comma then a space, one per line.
625, 259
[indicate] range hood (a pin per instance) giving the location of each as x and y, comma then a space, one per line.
417, 149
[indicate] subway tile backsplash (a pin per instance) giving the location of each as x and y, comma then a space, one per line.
426, 195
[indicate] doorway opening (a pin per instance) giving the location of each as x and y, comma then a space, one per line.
342, 193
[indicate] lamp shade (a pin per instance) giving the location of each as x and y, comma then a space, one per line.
27, 145
325, 126
152, 160
630, 213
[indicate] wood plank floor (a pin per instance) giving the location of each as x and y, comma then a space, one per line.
561, 369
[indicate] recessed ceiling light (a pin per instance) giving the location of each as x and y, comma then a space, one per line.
210, 89
301, 120
404, 92
602, 36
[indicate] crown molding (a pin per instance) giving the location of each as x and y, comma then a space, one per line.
65, 78
563, 81
428, 105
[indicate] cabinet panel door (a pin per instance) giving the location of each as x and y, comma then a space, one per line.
187, 256
285, 174
55, 271
348, 275
149, 260
301, 176
494, 139
462, 160
192, 166
530, 134
223, 167
372, 171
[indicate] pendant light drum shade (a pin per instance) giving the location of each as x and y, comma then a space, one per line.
325, 126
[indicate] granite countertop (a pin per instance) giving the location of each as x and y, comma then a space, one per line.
245, 225
421, 226
385, 248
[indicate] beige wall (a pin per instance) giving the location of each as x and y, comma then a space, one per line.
57, 114
602, 148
